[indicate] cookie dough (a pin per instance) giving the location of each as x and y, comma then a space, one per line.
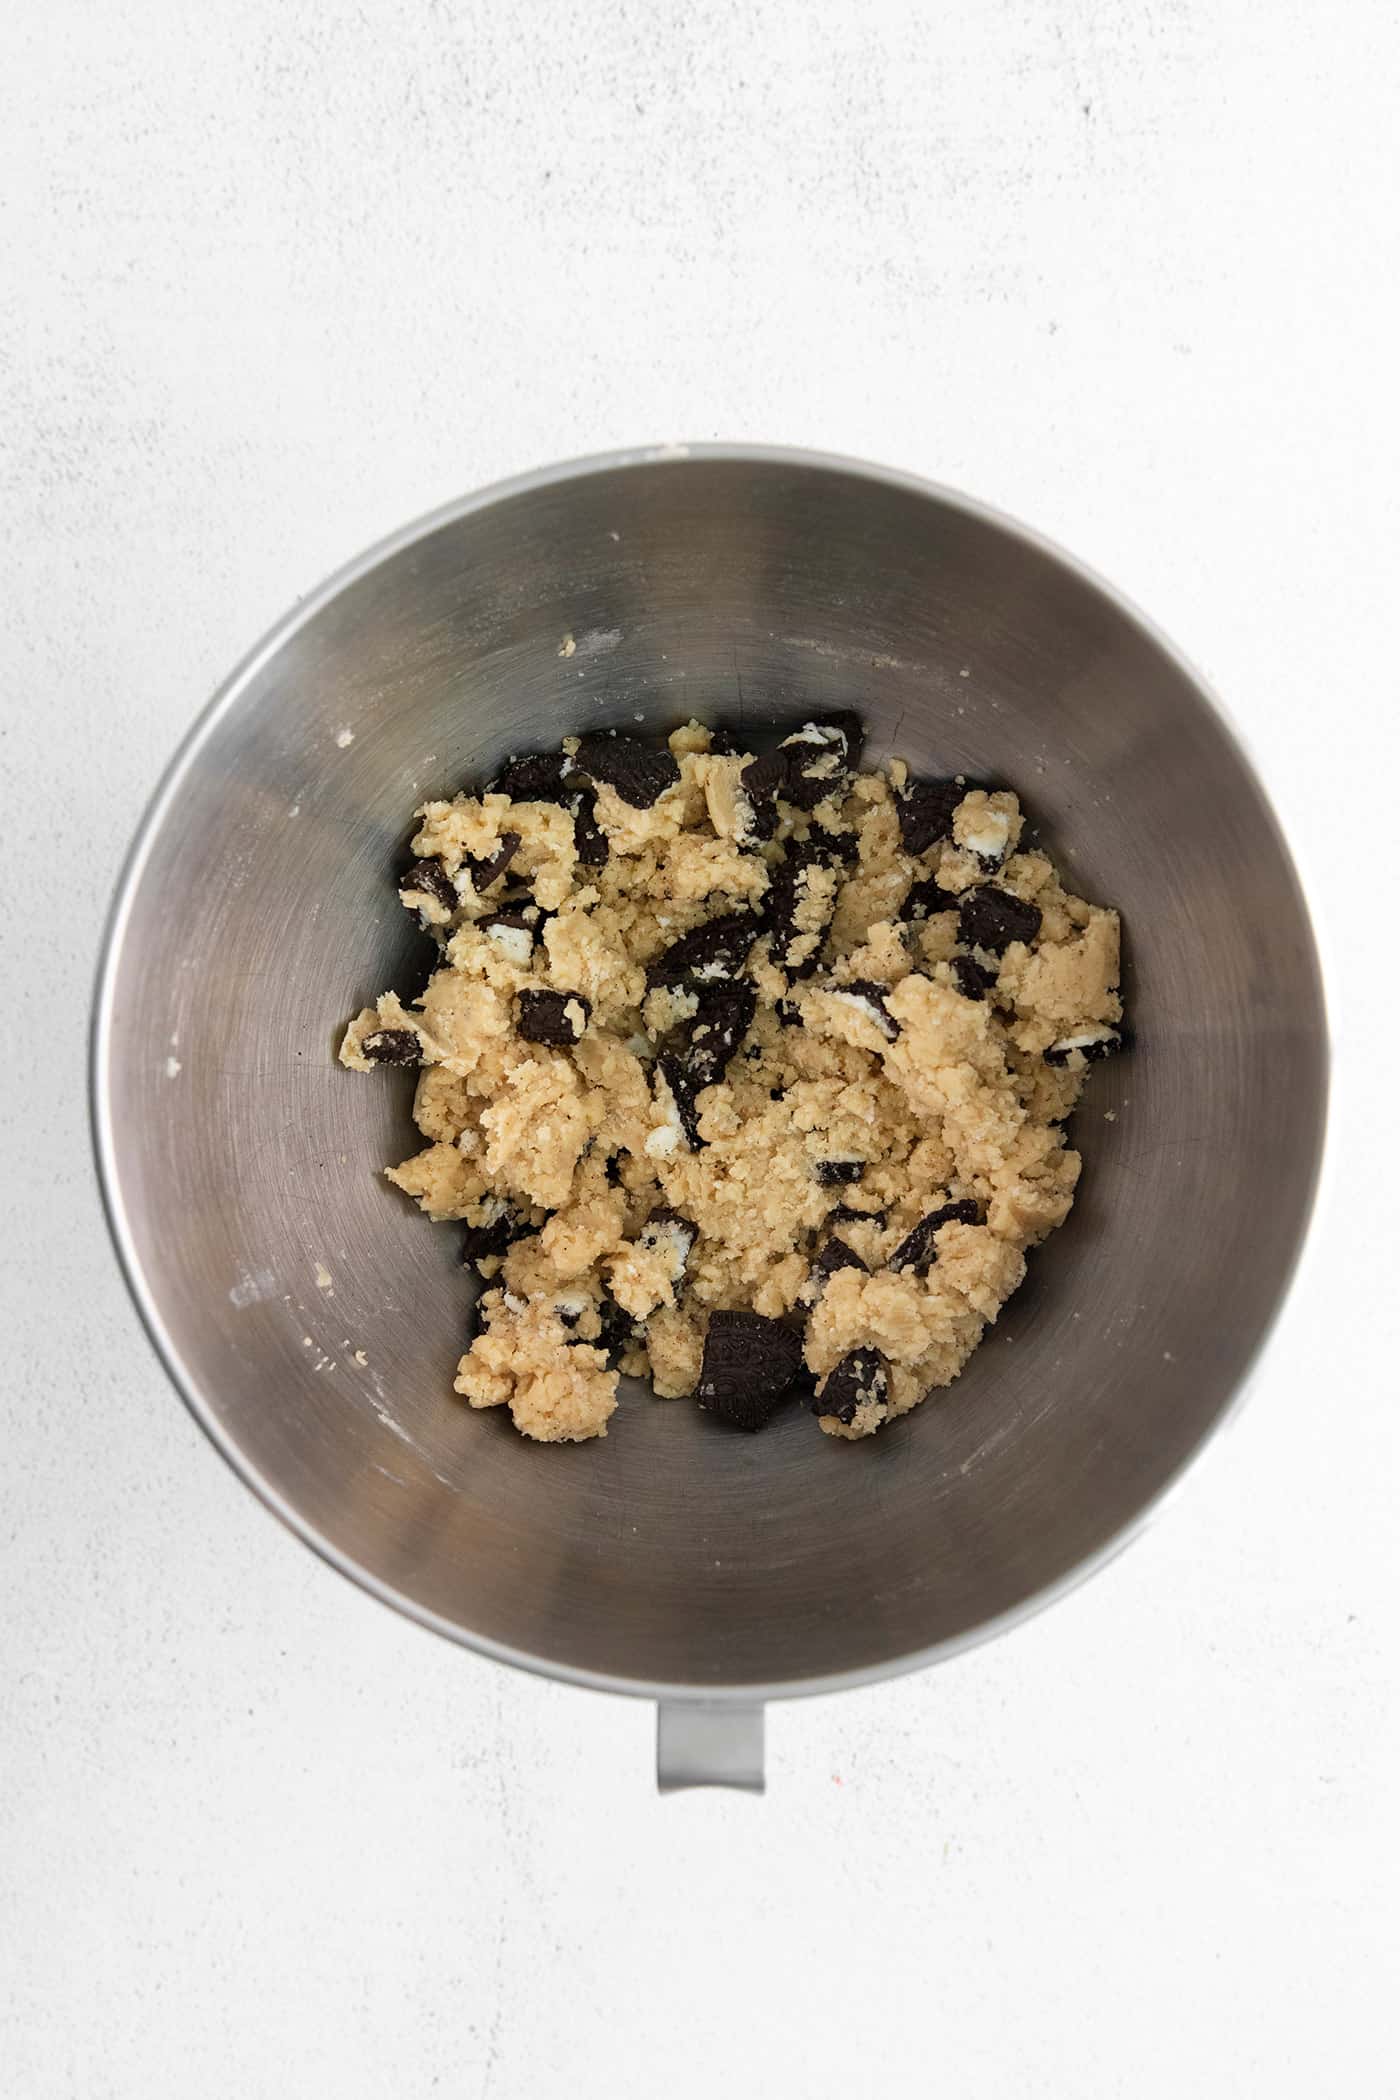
740, 1072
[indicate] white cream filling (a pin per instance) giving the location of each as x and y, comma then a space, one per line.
516, 943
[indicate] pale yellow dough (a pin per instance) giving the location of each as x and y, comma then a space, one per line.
960, 1104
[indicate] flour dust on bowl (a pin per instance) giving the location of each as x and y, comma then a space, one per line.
311, 1320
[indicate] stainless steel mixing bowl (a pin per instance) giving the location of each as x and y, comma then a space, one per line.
240, 1163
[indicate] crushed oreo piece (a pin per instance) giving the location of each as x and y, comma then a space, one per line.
553, 1017
917, 1250
571, 1310
429, 878
839, 1173
716, 950
768, 772
638, 772
868, 999
499, 1228
789, 1013
861, 1379
992, 918
747, 1367
840, 849
926, 898
722, 1018
819, 759
972, 980
618, 1333
590, 839
538, 776
812, 763
513, 932
484, 872
925, 811
846, 1214
760, 820
522, 901
1089, 1046
675, 1093
391, 1046
762, 780
795, 947
834, 1256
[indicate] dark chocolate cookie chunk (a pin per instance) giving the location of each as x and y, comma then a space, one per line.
868, 999
918, 1249
812, 763
847, 1214
925, 811
429, 878
513, 930
619, 1332
993, 918
820, 756
838, 1173
723, 743
764, 776
861, 1379
708, 953
538, 776
675, 1095
497, 1228
759, 783
638, 772
762, 819
748, 1365
553, 1017
590, 839
972, 980
926, 898
834, 1257
797, 912
707, 1042
1086, 1047
845, 723
391, 1046
789, 1013
484, 872
840, 849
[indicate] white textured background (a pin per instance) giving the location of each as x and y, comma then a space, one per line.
277, 275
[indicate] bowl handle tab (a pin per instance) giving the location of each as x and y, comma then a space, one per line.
708, 1742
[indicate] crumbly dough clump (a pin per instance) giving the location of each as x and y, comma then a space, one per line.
771, 1038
